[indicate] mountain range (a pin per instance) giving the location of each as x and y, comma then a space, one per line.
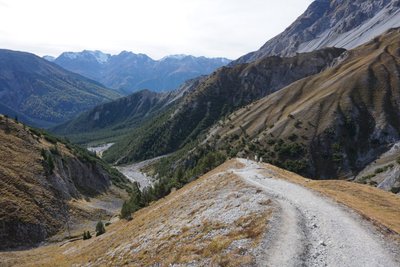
128, 72
43, 94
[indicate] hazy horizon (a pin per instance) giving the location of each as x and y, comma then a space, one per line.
218, 28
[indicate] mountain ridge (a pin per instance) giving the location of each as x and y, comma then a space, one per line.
128, 72
331, 124
336, 23
43, 92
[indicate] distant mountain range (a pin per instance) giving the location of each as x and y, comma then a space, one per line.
43, 94
128, 72
332, 23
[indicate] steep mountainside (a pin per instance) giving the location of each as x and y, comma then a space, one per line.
219, 94
332, 23
43, 92
129, 72
109, 122
328, 125
39, 175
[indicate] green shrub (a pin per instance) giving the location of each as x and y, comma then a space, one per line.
288, 150
134, 203
86, 235
383, 169
100, 229
50, 138
395, 190
296, 166
48, 163
364, 179
36, 132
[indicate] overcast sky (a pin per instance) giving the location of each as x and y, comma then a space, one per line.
213, 28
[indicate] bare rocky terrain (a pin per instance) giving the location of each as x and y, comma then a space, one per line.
332, 23
134, 172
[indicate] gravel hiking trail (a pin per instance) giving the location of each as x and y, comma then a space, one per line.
311, 230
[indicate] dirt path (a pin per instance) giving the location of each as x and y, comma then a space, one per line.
310, 230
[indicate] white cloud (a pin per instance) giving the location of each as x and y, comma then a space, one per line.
228, 28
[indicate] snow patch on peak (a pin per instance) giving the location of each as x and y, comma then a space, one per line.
177, 57
100, 56
70, 55
49, 58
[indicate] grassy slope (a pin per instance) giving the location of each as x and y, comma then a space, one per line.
191, 224
329, 125
168, 232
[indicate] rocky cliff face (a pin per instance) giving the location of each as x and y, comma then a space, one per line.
38, 176
332, 23
384, 172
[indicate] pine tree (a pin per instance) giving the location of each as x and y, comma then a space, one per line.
125, 211
100, 229
86, 235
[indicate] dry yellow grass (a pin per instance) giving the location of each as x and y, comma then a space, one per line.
177, 229
380, 207
20, 163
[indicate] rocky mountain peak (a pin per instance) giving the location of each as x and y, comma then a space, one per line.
336, 23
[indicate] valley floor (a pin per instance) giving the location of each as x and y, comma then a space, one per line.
243, 213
